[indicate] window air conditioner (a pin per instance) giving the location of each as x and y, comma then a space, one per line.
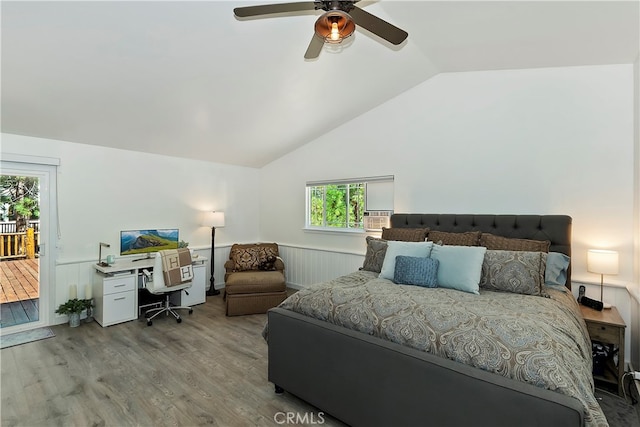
375, 220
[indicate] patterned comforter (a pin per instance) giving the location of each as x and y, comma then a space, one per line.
541, 341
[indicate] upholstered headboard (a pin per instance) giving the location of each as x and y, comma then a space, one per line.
555, 228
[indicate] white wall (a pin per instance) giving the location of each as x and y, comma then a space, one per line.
544, 141
635, 290
526, 141
103, 191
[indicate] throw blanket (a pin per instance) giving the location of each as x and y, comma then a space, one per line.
176, 266
537, 340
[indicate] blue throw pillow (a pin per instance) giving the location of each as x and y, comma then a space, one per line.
416, 271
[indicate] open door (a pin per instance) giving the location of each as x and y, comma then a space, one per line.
26, 267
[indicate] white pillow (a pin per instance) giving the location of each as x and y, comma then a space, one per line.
460, 267
396, 248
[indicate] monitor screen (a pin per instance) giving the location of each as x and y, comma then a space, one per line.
146, 241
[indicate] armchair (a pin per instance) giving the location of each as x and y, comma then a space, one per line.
254, 279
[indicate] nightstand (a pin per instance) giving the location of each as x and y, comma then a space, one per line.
607, 327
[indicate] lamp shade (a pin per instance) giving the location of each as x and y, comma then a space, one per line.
335, 26
213, 219
602, 261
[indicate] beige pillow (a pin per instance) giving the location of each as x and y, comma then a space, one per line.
405, 234
468, 238
493, 242
376, 250
249, 256
520, 272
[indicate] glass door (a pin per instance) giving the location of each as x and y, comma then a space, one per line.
25, 259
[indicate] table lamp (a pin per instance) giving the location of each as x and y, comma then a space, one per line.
100, 263
602, 262
213, 219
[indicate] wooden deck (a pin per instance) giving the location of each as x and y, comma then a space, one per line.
19, 293
19, 280
19, 312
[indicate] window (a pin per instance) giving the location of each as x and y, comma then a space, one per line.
341, 204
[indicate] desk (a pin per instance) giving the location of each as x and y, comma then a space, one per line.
115, 289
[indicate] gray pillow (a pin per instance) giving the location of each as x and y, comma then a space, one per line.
376, 250
555, 274
519, 272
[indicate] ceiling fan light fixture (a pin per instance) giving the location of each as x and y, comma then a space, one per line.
335, 26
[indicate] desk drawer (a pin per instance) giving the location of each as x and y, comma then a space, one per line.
112, 285
604, 333
119, 307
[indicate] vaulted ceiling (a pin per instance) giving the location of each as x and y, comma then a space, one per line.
189, 79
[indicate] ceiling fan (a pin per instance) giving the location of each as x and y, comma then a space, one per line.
336, 24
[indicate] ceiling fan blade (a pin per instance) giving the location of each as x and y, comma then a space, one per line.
377, 26
268, 9
315, 47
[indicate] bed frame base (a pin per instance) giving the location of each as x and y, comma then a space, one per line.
366, 381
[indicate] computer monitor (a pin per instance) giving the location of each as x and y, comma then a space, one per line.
134, 242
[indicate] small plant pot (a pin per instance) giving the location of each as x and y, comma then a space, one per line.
74, 320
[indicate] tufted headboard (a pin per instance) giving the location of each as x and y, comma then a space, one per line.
555, 228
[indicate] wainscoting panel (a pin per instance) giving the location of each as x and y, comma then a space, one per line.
221, 255
77, 273
304, 267
307, 266
80, 273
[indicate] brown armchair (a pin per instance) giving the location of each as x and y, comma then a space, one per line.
254, 279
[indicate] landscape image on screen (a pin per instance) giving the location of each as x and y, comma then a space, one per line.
146, 241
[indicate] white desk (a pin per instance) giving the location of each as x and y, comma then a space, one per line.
115, 289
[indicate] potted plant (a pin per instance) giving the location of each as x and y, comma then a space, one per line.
73, 308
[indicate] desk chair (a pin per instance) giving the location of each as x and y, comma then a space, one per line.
154, 282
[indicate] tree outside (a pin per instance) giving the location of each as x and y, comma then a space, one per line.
337, 206
19, 200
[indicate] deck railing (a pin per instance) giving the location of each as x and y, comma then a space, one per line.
15, 244
11, 227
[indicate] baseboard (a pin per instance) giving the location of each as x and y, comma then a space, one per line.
634, 387
633, 381
295, 286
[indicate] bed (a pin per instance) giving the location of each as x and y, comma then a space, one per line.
372, 352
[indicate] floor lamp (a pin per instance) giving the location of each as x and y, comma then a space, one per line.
602, 262
213, 219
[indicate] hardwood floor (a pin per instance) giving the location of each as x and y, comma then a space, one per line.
207, 370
